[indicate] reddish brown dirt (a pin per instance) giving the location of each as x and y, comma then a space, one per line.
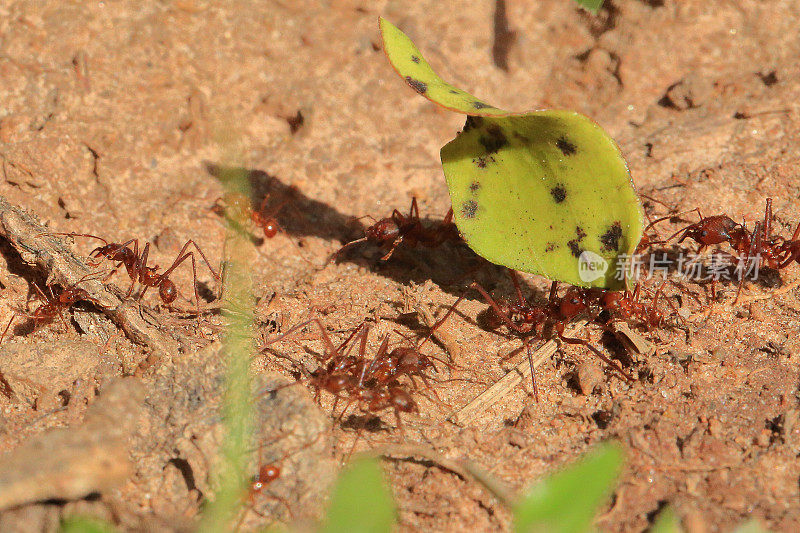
108, 111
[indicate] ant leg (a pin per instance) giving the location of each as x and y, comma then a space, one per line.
395, 244
515, 281
553, 292
582, 342
203, 256
448, 218
140, 267
383, 351
414, 212
439, 322
768, 218
335, 255
8, 326
756, 247
533, 373
503, 316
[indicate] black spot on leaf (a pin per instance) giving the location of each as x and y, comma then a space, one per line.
559, 193
420, 86
477, 104
550, 247
483, 160
566, 147
415, 59
474, 187
574, 244
453, 91
611, 237
494, 140
469, 208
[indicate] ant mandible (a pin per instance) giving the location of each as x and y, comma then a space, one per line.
138, 270
398, 228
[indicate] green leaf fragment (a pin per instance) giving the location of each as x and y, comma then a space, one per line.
591, 5
567, 501
361, 500
407, 60
546, 192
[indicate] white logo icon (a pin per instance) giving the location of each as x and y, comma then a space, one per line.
591, 266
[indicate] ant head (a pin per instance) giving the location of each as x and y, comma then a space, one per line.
611, 299
167, 291
267, 474
572, 303
386, 229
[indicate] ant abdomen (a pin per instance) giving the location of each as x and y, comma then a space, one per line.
167, 291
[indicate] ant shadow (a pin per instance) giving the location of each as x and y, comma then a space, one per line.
451, 266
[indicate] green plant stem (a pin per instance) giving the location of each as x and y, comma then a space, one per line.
238, 348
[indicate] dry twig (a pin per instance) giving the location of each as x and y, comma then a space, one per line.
506, 384
37, 247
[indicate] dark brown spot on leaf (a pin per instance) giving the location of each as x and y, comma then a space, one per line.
474, 187
472, 122
574, 246
610, 238
559, 193
477, 104
494, 140
469, 208
566, 147
420, 86
550, 247
453, 91
415, 59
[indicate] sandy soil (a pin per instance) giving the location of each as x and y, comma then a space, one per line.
110, 110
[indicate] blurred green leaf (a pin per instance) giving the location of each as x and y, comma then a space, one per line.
752, 526
591, 5
361, 500
85, 524
666, 522
567, 501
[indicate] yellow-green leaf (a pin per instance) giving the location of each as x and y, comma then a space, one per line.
546, 192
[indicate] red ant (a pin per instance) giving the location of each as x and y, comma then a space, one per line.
137, 269
266, 220
626, 305
771, 251
374, 384
267, 474
533, 321
392, 231
53, 305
